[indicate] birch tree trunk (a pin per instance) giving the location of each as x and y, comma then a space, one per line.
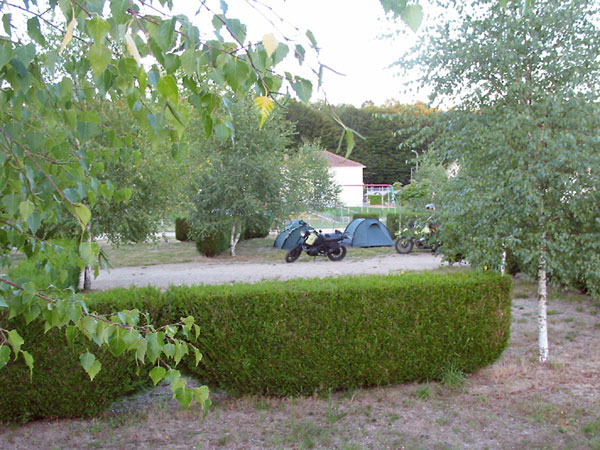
87, 278
236, 232
542, 316
87, 272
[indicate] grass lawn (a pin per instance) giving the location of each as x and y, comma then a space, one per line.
174, 252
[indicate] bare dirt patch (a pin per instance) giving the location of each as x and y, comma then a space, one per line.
514, 403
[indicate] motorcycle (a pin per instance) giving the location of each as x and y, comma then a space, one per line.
423, 238
315, 243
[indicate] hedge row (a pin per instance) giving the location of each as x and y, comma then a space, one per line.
282, 338
59, 387
365, 216
298, 337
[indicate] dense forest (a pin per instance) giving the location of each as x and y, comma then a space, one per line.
391, 132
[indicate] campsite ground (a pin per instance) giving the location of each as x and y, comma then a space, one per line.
514, 403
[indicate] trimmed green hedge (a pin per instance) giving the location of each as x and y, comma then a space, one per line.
365, 216
282, 338
298, 337
375, 200
60, 388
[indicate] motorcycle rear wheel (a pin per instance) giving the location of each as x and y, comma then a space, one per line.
404, 245
293, 254
337, 254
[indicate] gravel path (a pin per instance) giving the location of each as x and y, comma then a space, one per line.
245, 272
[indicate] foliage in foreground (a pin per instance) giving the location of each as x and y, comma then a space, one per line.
59, 387
298, 337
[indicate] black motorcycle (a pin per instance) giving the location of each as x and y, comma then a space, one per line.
315, 243
422, 237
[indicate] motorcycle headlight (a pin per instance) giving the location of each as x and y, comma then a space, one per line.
303, 233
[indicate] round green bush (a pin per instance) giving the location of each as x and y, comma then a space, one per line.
214, 244
182, 229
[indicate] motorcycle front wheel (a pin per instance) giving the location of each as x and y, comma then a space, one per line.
338, 254
404, 245
293, 254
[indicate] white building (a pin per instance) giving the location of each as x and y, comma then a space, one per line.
349, 175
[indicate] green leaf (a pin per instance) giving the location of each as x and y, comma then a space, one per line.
169, 350
311, 38
412, 15
300, 53
15, 341
123, 195
198, 356
201, 394
237, 30
87, 359
71, 333
4, 355
74, 311
33, 29
303, 89
280, 53
184, 396
26, 208
157, 374
140, 352
83, 214
100, 58
29, 362
11, 204
3, 303
118, 9
349, 142
6, 54
88, 325
97, 28
6, 23
116, 345
236, 73
167, 86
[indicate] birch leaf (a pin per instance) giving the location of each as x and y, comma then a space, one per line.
68, 35
270, 43
265, 106
132, 48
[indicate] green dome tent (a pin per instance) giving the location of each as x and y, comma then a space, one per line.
289, 237
367, 233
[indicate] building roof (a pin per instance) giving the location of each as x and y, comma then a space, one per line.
339, 161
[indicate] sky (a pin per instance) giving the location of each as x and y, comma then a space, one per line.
349, 35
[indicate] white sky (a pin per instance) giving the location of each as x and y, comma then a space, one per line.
348, 33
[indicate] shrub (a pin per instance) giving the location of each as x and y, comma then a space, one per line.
298, 337
182, 229
392, 221
59, 387
365, 216
375, 200
260, 228
214, 243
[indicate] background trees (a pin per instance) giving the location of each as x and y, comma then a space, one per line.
389, 134
255, 177
524, 135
